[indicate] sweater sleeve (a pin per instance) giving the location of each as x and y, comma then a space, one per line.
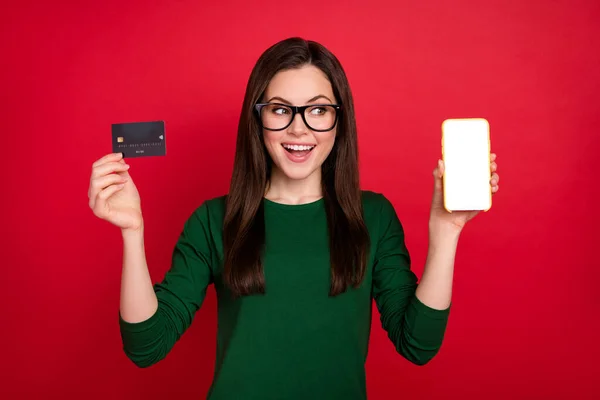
415, 329
180, 294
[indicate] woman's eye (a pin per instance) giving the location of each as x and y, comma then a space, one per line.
280, 111
318, 111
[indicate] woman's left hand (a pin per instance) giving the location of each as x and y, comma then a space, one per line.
457, 219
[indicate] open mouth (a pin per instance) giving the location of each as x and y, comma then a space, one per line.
298, 150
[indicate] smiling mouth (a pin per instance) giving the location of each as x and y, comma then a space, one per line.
298, 149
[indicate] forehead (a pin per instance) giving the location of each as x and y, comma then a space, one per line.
299, 85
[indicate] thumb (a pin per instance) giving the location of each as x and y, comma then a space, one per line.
438, 173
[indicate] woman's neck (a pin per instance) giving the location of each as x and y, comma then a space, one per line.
282, 189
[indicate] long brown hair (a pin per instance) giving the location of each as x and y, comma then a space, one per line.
244, 225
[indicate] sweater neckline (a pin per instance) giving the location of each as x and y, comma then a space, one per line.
303, 206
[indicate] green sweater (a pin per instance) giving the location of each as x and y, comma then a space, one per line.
294, 342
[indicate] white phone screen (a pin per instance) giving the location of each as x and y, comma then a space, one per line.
466, 154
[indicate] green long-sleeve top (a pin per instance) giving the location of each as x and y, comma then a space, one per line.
295, 342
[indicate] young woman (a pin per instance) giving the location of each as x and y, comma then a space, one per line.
295, 250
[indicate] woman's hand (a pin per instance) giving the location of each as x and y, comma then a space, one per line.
112, 194
439, 217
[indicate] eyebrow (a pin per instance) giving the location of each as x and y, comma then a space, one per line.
317, 97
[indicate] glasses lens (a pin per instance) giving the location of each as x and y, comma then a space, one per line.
320, 118
275, 116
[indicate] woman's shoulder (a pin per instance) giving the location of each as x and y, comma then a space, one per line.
210, 209
216, 204
378, 210
374, 201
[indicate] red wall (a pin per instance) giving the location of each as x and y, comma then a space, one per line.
525, 315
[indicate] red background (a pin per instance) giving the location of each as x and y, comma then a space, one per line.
525, 315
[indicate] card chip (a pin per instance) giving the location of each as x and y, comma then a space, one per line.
120, 139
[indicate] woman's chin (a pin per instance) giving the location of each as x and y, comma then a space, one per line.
297, 172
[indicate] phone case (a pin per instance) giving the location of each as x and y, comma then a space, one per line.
466, 155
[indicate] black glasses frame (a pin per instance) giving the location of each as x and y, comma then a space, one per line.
298, 110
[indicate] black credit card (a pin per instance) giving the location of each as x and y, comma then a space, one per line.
139, 139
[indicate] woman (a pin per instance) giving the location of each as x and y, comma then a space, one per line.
296, 251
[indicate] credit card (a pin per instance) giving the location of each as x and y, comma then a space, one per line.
139, 139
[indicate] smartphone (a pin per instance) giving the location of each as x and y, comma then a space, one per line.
466, 155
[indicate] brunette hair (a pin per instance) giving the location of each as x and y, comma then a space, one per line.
244, 225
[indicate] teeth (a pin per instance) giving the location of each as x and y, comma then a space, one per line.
297, 147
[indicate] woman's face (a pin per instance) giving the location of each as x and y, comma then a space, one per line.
298, 151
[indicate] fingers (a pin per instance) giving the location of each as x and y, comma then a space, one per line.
103, 170
100, 204
109, 167
106, 193
494, 182
108, 170
108, 158
495, 179
101, 183
107, 180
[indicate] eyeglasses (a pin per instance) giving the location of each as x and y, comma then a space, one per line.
317, 117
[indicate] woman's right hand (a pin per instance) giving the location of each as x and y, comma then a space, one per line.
112, 194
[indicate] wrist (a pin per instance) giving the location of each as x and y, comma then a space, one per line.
443, 231
133, 233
